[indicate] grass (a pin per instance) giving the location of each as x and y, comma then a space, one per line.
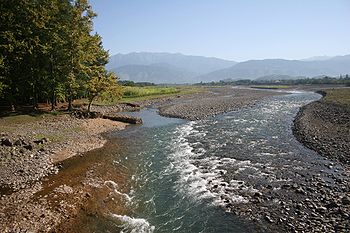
270, 87
339, 96
12, 122
134, 94
8, 123
19, 119
159, 92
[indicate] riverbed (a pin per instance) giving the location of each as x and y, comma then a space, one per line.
242, 171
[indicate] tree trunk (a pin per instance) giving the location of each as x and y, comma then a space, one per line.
70, 105
90, 102
70, 100
12, 100
12, 106
53, 100
53, 95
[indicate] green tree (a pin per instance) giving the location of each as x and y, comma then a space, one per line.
100, 83
105, 87
47, 52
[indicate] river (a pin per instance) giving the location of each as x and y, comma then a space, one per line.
187, 176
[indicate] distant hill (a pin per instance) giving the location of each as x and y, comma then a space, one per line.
254, 69
172, 67
179, 68
155, 73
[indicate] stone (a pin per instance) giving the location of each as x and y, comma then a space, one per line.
6, 142
345, 200
300, 190
269, 219
28, 147
321, 209
257, 194
41, 141
17, 143
332, 205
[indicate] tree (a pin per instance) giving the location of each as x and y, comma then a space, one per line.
47, 52
100, 83
80, 27
103, 86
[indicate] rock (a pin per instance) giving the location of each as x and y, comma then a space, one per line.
41, 141
321, 209
269, 219
18, 143
258, 194
28, 147
64, 189
299, 206
345, 200
332, 205
6, 142
300, 190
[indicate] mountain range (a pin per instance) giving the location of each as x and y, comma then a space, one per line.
178, 68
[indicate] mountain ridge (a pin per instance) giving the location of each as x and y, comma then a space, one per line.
179, 68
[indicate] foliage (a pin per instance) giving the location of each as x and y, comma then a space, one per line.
104, 86
48, 52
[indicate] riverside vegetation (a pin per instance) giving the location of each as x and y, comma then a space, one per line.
49, 54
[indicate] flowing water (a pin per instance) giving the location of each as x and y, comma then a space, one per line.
185, 174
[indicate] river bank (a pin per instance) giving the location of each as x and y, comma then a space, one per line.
324, 126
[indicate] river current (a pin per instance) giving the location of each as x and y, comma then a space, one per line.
186, 173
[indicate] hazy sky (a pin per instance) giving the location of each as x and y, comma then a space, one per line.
231, 29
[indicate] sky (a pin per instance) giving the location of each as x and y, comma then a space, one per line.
230, 29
